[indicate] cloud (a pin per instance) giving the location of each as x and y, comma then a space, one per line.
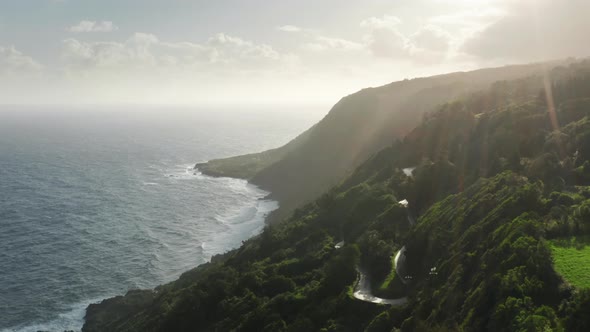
384, 39
134, 52
289, 28
93, 26
226, 48
144, 51
432, 38
13, 61
148, 68
313, 40
385, 22
323, 43
478, 17
381, 40
534, 30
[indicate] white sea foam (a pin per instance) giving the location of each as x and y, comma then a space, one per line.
249, 222
241, 223
183, 172
71, 320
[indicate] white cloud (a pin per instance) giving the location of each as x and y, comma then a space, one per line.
93, 26
534, 30
104, 54
314, 41
289, 28
233, 49
387, 42
385, 22
477, 17
433, 38
13, 61
146, 50
323, 43
384, 39
147, 69
21, 76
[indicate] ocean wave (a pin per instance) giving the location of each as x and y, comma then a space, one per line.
70, 320
248, 222
81, 219
169, 246
183, 172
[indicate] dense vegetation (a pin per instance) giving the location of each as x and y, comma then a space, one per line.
502, 179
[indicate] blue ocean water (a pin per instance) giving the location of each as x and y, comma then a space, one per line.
94, 202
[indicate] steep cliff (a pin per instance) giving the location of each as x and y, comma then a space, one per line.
363, 123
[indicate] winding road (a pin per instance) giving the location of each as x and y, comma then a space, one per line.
362, 290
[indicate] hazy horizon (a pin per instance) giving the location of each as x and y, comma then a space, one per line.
229, 52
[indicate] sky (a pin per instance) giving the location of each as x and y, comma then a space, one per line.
197, 52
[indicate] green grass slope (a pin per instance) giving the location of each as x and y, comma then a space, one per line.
572, 260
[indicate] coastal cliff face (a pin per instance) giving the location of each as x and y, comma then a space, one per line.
501, 183
360, 125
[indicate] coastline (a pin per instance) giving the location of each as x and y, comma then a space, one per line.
124, 303
118, 216
211, 173
198, 167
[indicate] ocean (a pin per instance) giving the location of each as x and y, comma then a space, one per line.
95, 201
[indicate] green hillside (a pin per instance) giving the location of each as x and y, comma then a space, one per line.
363, 123
496, 193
